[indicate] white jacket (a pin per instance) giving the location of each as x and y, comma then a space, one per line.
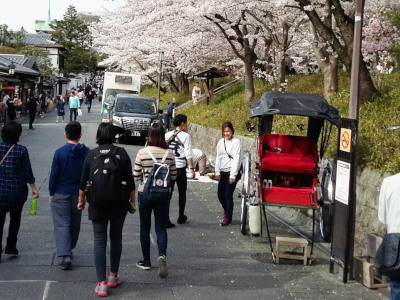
225, 164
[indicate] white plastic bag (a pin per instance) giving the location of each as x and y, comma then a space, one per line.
79, 112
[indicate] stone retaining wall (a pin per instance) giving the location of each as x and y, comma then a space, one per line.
368, 184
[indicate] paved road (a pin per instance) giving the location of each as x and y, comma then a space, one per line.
205, 261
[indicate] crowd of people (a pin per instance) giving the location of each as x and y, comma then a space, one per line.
75, 180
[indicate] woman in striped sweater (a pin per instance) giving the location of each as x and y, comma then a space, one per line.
143, 164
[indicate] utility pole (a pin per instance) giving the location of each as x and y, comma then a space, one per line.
160, 58
342, 247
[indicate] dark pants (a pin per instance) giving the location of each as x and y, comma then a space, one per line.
100, 245
225, 193
160, 208
394, 288
181, 182
67, 222
15, 222
166, 120
89, 105
73, 111
32, 115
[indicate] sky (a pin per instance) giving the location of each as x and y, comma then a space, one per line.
23, 13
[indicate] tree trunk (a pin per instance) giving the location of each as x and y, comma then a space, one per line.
174, 88
248, 77
344, 52
281, 70
184, 83
331, 84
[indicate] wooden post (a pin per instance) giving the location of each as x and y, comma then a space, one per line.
206, 90
212, 91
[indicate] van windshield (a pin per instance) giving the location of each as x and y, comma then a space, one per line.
136, 106
111, 94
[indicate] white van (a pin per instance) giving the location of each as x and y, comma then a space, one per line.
114, 84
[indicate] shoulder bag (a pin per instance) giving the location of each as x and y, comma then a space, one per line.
387, 258
4, 157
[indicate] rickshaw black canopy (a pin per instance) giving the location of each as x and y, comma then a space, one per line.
297, 104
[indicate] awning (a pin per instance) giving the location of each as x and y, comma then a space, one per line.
8, 88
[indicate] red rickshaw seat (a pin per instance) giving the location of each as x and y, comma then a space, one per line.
288, 153
289, 164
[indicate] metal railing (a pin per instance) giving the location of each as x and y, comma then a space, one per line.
216, 91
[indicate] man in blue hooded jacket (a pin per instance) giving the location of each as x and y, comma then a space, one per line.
64, 181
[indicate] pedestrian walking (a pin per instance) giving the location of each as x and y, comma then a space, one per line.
167, 113
179, 141
227, 169
32, 106
65, 175
80, 95
60, 108
157, 149
74, 105
388, 214
113, 211
89, 99
11, 112
43, 105
15, 174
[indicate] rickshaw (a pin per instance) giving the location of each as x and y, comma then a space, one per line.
291, 170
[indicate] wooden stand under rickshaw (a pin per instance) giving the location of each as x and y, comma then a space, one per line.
291, 171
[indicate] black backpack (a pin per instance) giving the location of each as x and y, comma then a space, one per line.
174, 143
105, 178
158, 183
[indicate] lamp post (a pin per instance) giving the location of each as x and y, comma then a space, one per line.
11, 69
60, 76
160, 58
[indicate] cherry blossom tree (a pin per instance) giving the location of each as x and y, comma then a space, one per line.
133, 38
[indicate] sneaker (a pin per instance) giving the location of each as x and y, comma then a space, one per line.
170, 224
65, 264
11, 250
182, 219
225, 222
101, 289
113, 281
57, 121
162, 265
144, 265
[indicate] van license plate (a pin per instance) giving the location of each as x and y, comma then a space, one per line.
135, 133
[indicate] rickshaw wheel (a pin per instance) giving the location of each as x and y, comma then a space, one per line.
245, 195
243, 218
325, 221
326, 202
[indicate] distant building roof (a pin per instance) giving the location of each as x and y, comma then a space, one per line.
18, 67
22, 60
44, 40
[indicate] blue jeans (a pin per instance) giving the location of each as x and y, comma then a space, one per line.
160, 208
100, 245
394, 288
67, 222
225, 193
166, 120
